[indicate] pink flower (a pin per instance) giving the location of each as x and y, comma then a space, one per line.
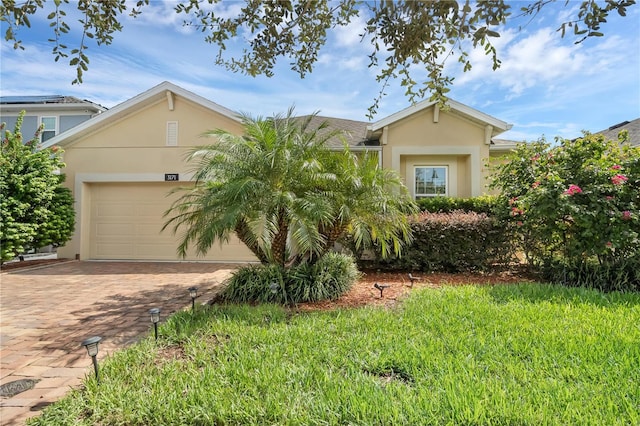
609, 197
516, 211
619, 179
535, 185
512, 201
626, 215
616, 167
573, 190
535, 157
609, 245
519, 223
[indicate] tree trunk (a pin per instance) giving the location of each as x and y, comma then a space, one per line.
244, 234
279, 243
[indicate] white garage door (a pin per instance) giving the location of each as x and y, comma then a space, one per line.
126, 222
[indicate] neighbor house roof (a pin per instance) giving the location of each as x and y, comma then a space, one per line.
48, 102
498, 126
164, 90
503, 145
633, 127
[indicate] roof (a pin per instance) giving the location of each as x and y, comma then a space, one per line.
161, 91
633, 127
480, 117
51, 99
354, 131
503, 145
47, 101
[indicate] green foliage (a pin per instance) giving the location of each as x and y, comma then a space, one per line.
454, 242
575, 205
401, 33
526, 355
484, 204
34, 209
327, 279
287, 196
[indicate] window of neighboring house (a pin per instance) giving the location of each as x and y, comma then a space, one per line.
50, 128
431, 181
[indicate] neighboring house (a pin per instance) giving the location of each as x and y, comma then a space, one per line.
123, 163
57, 113
633, 127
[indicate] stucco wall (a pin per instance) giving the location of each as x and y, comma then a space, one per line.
134, 149
453, 141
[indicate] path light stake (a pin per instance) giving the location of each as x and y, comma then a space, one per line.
92, 349
381, 287
193, 292
155, 318
413, 279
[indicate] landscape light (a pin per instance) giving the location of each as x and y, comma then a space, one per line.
92, 349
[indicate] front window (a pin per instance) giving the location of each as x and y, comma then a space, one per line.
49, 128
431, 181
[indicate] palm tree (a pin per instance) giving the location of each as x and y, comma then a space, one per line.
286, 196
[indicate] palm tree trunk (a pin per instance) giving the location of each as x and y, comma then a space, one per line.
279, 243
244, 234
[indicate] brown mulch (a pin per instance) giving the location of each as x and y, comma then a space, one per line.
364, 293
12, 266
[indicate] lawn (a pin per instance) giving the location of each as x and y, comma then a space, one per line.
525, 354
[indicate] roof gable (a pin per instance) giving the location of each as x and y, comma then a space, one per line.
164, 90
479, 117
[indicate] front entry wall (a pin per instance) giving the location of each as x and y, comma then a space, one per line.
126, 220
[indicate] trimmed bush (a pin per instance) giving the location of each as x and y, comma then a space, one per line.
484, 204
327, 279
454, 242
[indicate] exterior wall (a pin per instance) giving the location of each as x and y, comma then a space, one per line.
134, 149
31, 122
453, 141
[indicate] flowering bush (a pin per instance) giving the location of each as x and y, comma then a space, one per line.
576, 203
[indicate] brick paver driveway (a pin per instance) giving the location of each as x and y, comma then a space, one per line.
46, 312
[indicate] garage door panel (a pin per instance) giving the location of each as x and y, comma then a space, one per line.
114, 230
114, 210
126, 222
114, 250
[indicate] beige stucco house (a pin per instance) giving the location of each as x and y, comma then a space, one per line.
123, 163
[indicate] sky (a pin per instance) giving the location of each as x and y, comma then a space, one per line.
547, 86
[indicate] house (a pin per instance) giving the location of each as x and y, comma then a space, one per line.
123, 163
57, 113
633, 127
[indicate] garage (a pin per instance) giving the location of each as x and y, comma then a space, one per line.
126, 220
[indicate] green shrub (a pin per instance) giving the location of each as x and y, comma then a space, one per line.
327, 279
454, 242
621, 275
484, 204
575, 208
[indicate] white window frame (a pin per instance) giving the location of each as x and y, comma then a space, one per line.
418, 194
54, 130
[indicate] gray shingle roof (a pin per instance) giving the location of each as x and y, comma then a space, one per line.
633, 127
51, 99
356, 131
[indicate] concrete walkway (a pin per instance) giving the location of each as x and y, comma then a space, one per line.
45, 313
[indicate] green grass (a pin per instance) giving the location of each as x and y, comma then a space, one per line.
504, 355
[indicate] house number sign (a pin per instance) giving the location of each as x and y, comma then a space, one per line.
171, 177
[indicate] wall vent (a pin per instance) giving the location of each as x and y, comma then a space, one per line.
172, 133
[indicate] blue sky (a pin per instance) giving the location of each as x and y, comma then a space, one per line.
547, 85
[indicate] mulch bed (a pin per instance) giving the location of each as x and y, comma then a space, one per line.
12, 266
364, 293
